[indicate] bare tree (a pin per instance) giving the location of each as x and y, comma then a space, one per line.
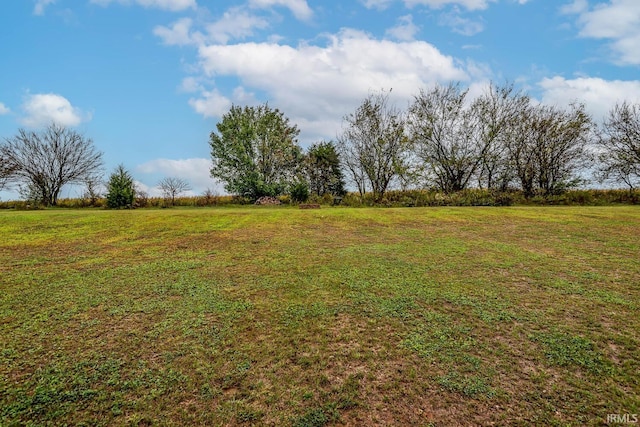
442, 133
457, 140
548, 147
496, 110
173, 187
619, 142
46, 161
92, 192
373, 144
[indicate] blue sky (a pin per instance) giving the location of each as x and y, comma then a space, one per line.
148, 80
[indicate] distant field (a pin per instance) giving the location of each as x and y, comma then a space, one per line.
279, 316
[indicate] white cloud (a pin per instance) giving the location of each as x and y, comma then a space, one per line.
4, 109
598, 95
406, 30
171, 5
42, 109
315, 85
460, 25
299, 8
236, 23
377, 4
195, 171
616, 20
178, 34
40, 6
575, 7
437, 4
433, 4
191, 85
210, 103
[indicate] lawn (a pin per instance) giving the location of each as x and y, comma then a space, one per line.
279, 316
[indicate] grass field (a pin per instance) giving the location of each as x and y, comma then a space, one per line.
279, 316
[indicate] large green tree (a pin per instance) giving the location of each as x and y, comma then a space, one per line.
255, 151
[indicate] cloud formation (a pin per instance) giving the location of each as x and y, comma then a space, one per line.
43, 109
170, 5
433, 4
41, 5
598, 95
461, 25
177, 34
616, 20
235, 24
4, 109
299, 8
320, 83
406, 30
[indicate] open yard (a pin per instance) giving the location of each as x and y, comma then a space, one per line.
279, 316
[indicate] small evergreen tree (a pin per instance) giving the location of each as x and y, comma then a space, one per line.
323, 170
120, 189
300, 192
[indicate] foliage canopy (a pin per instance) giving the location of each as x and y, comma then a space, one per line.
255, 151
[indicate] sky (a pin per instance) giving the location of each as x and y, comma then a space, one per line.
148, 80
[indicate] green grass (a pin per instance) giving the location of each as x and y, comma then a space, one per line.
279, 316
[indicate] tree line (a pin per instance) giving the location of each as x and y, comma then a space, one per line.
498, 141
39, 164
444, 140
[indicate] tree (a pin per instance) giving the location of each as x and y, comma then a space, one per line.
373, 144
91, 193
619, 141
6, 170
121, 190
255, 151
442, 134
548, 147
173, 187
46, 161
323, 170
457, 140
496, 111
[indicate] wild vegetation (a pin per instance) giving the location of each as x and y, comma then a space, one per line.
280, 316
501, 141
